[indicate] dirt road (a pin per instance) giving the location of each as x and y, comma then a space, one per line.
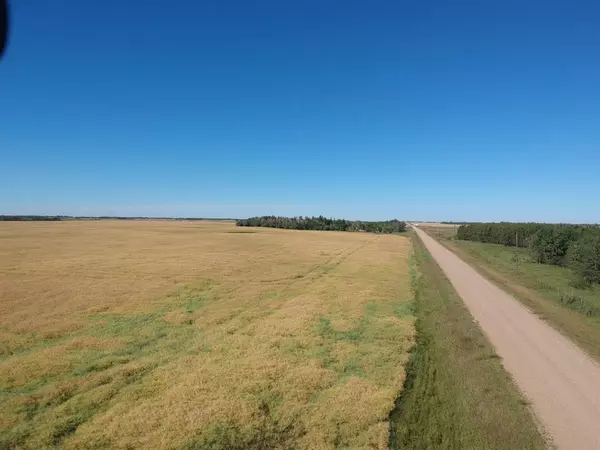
560, 380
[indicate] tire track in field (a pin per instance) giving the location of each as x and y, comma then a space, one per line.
288, 283
334, 262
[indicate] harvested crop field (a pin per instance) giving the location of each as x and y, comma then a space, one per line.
164, 334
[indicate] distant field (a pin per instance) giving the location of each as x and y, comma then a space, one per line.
444, 230
199, 335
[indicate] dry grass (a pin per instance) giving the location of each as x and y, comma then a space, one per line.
194, 335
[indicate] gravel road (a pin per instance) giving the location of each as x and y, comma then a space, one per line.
559, 379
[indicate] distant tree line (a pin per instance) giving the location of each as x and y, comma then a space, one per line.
574, 246
445, 222
27, 218
6, 218
323, 223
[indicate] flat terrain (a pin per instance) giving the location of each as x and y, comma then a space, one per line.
457, 394
439, 230
547, 290
560, 380
126, 334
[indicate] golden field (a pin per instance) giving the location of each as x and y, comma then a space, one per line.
164, 334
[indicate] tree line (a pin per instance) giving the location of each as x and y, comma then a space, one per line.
12, 218
574, 246
29, 218
323, 223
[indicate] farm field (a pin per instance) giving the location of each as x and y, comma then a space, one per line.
163, 334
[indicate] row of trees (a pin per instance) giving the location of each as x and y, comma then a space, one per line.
323, 223
575, 246
12, 218
28, 218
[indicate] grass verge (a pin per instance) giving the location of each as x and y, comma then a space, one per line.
457, 394
547, 290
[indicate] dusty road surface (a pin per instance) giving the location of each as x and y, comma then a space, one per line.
560, 380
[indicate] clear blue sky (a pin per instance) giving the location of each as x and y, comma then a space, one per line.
445, 110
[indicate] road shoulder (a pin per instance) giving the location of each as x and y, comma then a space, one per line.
584, 332
457, 394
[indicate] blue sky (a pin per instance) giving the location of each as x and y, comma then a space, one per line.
428, 110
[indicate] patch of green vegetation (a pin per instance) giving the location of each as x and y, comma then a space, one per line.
324, 354
267, 433
144, 340
363, 330
67, 427
14, 438
99, 364
456, 394
353, 368
270, 295
327, 331
578, 303
55, 419
366, 331
370, 309
404, 309
550, 280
